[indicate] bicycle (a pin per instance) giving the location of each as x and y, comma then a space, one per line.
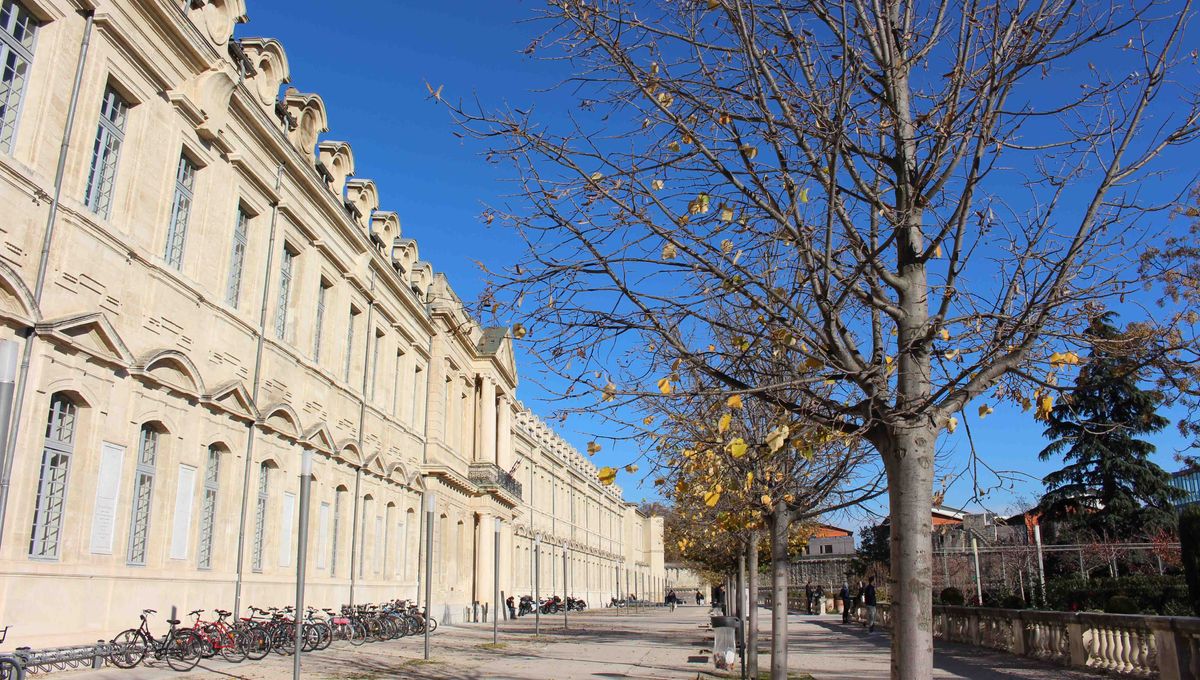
10, 666
219, 637
180, 647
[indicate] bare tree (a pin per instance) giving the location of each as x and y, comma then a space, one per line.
917, 203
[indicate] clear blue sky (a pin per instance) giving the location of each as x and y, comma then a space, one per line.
370, 59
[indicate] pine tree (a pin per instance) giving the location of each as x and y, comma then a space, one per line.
1109, 488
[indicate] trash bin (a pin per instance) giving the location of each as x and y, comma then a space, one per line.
727, 641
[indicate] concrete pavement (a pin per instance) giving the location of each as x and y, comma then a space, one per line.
652, 644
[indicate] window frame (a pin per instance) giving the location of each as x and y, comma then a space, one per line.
181, 211
110, 128
54, 448
208, 508
260, 517
237, 257
13, 47
142, 513
287, 273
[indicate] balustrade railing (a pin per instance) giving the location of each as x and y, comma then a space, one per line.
490, 475
1127, 645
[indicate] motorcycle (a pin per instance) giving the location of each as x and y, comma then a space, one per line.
575, 604
526, 606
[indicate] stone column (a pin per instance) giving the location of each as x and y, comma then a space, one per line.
484, 556
487, 425
504, 437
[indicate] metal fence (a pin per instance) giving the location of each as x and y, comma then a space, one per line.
40, 661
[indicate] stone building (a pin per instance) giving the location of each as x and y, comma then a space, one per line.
203, 293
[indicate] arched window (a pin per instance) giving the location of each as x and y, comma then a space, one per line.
208, 506
389, 527
260, 515
143, 494
367, 511
408, 532
338, 502
52, 484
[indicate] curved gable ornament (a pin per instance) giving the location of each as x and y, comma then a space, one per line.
282, 420
171, 369
270, 66
308, 110
338, 159
385, 228
364, 196
219, 18
349, 452
16, 300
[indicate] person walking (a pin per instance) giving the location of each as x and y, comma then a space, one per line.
820, 598
844, 596
869, 600
808, 596
699, 598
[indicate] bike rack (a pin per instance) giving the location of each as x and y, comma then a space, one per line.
50, 660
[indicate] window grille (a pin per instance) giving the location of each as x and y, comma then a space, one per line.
320, 321
337, 525
237, 259
285, 292
181, 210
397, 384
208, 509
110, 133
143, 495
375, 362
17, 32
52, 485
349, 344
260, 516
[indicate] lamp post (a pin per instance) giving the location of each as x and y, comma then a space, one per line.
496, 585
430, 504
566, 590
306, 466
537, 578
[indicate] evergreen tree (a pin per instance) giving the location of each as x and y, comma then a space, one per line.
1109, 487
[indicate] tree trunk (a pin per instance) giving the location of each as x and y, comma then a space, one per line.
780, 519
752, 606
909, 462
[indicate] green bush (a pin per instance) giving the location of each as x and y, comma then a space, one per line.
1189, 549
1121, 604
1150, 594
952, 596
1012, 602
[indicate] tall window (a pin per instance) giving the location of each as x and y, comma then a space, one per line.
285, 291
319, 326
337, 524
260, 516
143, 494
181, 210
52, 485
208, 508
350, 343
398, 383
17, 31
237, 259
375, 361
419, 390
109, 135
367, 511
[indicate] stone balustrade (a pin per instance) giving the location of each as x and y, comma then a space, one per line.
1164, 647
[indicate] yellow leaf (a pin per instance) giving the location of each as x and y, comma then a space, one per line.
937, 251
631, 468
749, 479
726, 214
724, 119
713, 4
648, 420
723, 424
951, 354
1064, 359
596, 176
669, 251
738, 447
985, 411
607, 475
804, 195
656, 185
748, 151
666, 99
766, 500
777, 438
699, 204
610, 392
711, 498
952, 424
673, 146
518, 331
945, 334
664, 385
813, 363
712, 347
593, 448
1045, 406
734, 402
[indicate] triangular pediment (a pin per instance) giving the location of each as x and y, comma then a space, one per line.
90, 333
234, 399
319, 437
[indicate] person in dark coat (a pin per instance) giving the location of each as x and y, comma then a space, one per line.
512, 607
870, 601
808, 596
844, 596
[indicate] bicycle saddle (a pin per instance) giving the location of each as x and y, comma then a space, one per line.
173, 622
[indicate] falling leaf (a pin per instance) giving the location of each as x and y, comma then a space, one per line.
777, 438
593, 448
748, 151
738, 447
631, 468
669, 251
607, 475
656, 185
952, 424
664, 385
518, 331
711, 498
724, 422
734, 402
985, 411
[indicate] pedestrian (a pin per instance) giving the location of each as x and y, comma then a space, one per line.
844, 596
808, 596
869, 600
820, 597
512, 607
699, 598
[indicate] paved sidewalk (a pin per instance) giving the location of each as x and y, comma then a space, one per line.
654, 645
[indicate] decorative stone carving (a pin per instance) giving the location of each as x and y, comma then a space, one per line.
271, 69
364, 197
308, 110
385, 228
338, 159
219, 17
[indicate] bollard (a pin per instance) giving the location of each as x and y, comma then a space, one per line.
485, 612
98, 657
475, 611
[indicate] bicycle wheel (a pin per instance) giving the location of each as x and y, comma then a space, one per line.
208, 643
227, 642
358, 633
432, 624
324, 634
9, 670
255, 643
283, 639
183, 649
128, 648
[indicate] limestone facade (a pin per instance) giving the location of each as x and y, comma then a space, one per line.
203, 293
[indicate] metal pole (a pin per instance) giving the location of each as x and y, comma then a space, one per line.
566, 591
1082, 571
1037, 539
302, 556
537, 582
8, 380
430, 504
496, 584
978, 583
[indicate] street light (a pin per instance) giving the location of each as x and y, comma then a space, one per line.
306, 467
496, 585
430, 504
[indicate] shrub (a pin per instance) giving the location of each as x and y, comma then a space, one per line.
1189, 550
1150, 594
1121, 604
1012, 602
952, 596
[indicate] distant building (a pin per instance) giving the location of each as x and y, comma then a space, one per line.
830, 540
1189, 482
